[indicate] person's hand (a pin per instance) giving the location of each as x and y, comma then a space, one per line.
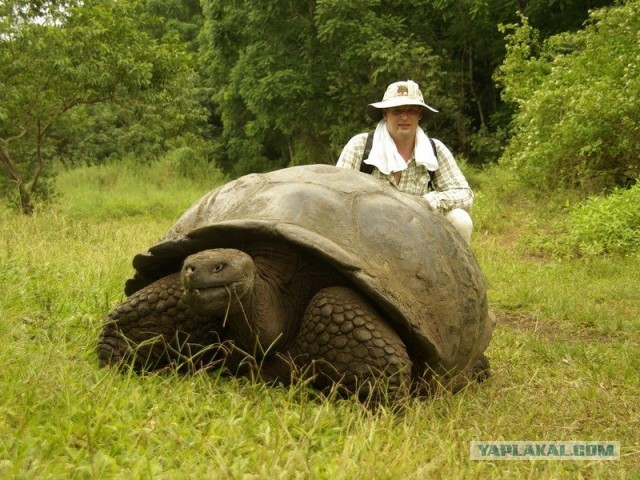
428, 205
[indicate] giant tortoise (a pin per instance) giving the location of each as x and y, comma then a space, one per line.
311, 272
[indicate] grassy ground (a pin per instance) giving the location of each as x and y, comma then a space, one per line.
565, 358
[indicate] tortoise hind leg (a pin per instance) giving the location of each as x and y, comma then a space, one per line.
343, 340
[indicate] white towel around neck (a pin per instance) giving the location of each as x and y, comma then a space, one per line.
385, 157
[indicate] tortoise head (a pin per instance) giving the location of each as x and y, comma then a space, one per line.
218, 282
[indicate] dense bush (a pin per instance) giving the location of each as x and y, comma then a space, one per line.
579, 111
599, 225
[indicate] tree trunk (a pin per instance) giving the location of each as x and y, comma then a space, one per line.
25, 199
26, 203
473, 90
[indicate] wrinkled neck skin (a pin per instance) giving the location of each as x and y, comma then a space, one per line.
268, 324
278, 301
255, 320
285, 280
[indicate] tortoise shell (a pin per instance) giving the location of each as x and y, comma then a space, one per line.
408, 261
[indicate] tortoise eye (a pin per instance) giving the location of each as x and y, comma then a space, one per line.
218, 267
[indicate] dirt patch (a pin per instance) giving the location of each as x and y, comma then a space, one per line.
527, 323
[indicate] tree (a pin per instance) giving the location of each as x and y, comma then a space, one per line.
291, 79
183, 17
467, 34
64, 55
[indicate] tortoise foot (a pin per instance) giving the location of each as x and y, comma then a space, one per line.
153, 328
481, 369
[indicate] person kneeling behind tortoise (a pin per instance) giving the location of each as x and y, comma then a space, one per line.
400, 153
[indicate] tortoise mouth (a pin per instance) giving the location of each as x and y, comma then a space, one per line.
197, 294
212, 299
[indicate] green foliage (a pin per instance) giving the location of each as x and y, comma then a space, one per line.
599, 226
561, 224
290, 79
152, 124
253, 54
182, 17
578, 115
554, 16
286, 81
374, 44
66, 56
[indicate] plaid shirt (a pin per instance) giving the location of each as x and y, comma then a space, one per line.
450, 188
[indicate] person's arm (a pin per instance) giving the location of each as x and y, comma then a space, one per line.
351, 155
451, 189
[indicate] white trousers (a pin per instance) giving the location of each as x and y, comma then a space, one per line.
460, 219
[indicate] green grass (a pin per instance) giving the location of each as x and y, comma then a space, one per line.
127, 189
565, 361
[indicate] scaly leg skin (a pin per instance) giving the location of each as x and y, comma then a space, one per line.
481, 369
154, 328
343, 340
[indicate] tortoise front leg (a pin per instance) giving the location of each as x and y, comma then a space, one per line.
344, 341
154, 328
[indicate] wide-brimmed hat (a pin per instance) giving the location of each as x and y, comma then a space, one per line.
400, 94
